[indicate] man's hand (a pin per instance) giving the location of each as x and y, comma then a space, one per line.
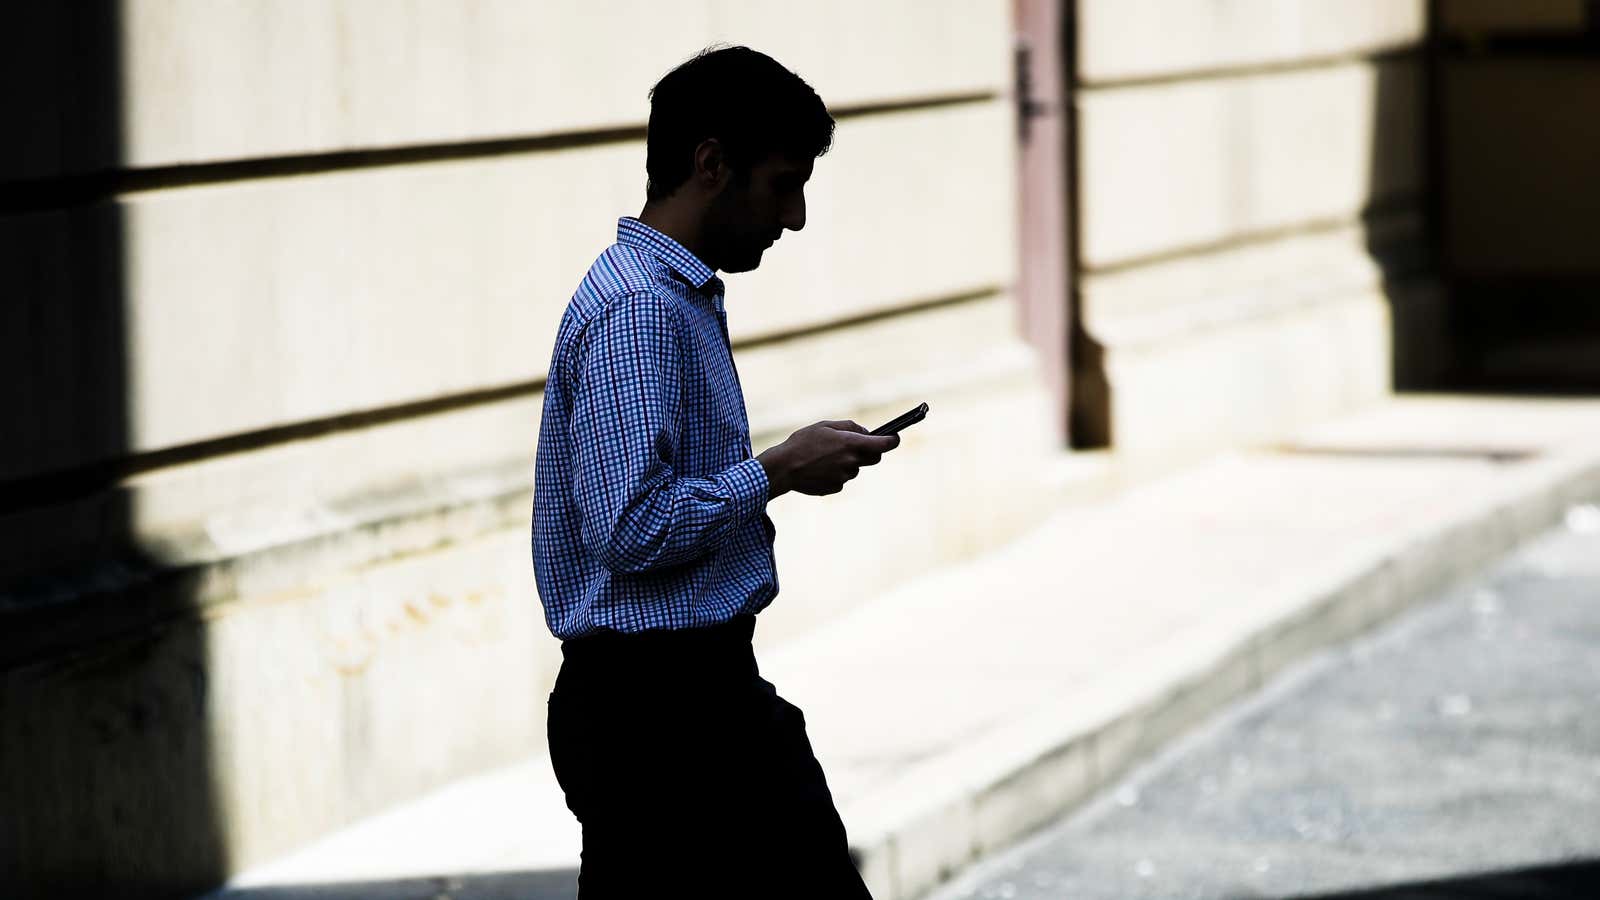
818, 459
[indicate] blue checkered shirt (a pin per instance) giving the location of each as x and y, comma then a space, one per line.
649, 511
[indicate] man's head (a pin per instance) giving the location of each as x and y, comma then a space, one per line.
732, 139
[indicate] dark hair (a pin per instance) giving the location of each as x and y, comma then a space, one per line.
746, 100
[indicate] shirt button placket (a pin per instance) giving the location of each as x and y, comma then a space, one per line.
722, 320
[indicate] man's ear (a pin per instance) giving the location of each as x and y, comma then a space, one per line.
711, 168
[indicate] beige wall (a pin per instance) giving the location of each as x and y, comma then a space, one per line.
1246, 170
279, 407
1124, 40
198, 81
267, 302
1171, 168
295, 373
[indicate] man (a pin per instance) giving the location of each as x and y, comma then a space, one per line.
651, 544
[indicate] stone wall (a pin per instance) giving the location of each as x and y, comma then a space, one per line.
282, 283
1250, 187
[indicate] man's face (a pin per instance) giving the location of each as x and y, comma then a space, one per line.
755, 208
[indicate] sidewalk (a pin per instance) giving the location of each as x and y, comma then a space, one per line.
1448, 753
965, 708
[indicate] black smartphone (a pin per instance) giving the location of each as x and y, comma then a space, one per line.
904, 420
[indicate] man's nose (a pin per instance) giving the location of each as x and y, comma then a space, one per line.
794, 218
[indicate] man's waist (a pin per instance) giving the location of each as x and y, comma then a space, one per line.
732, 637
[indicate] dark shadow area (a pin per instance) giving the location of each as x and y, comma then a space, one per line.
1513, 139
106, 781
555, 884
1578, 880
1089, 390
1398, 222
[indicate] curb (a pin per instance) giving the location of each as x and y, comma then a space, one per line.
948, 811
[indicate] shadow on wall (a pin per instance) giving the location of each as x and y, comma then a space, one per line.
1515, 140
1399, 222
105, 763
1510, 301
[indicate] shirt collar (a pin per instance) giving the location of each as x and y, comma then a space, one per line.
634, 233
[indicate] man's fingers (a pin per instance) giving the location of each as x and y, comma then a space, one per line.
874, 443
862, 438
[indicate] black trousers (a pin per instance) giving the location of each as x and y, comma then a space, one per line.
690, 775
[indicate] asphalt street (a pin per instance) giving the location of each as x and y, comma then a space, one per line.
1453, 753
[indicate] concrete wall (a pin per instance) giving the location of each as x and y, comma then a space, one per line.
282, 284
1249, 180
285, 279
265, 302
200, 82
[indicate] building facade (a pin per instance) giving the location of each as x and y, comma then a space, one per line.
282, 280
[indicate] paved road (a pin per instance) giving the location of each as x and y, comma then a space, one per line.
1454, 753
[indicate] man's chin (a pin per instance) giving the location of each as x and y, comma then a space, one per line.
744, 264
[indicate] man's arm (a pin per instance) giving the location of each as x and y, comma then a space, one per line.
637, 515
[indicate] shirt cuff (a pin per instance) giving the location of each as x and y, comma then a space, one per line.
747, 483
